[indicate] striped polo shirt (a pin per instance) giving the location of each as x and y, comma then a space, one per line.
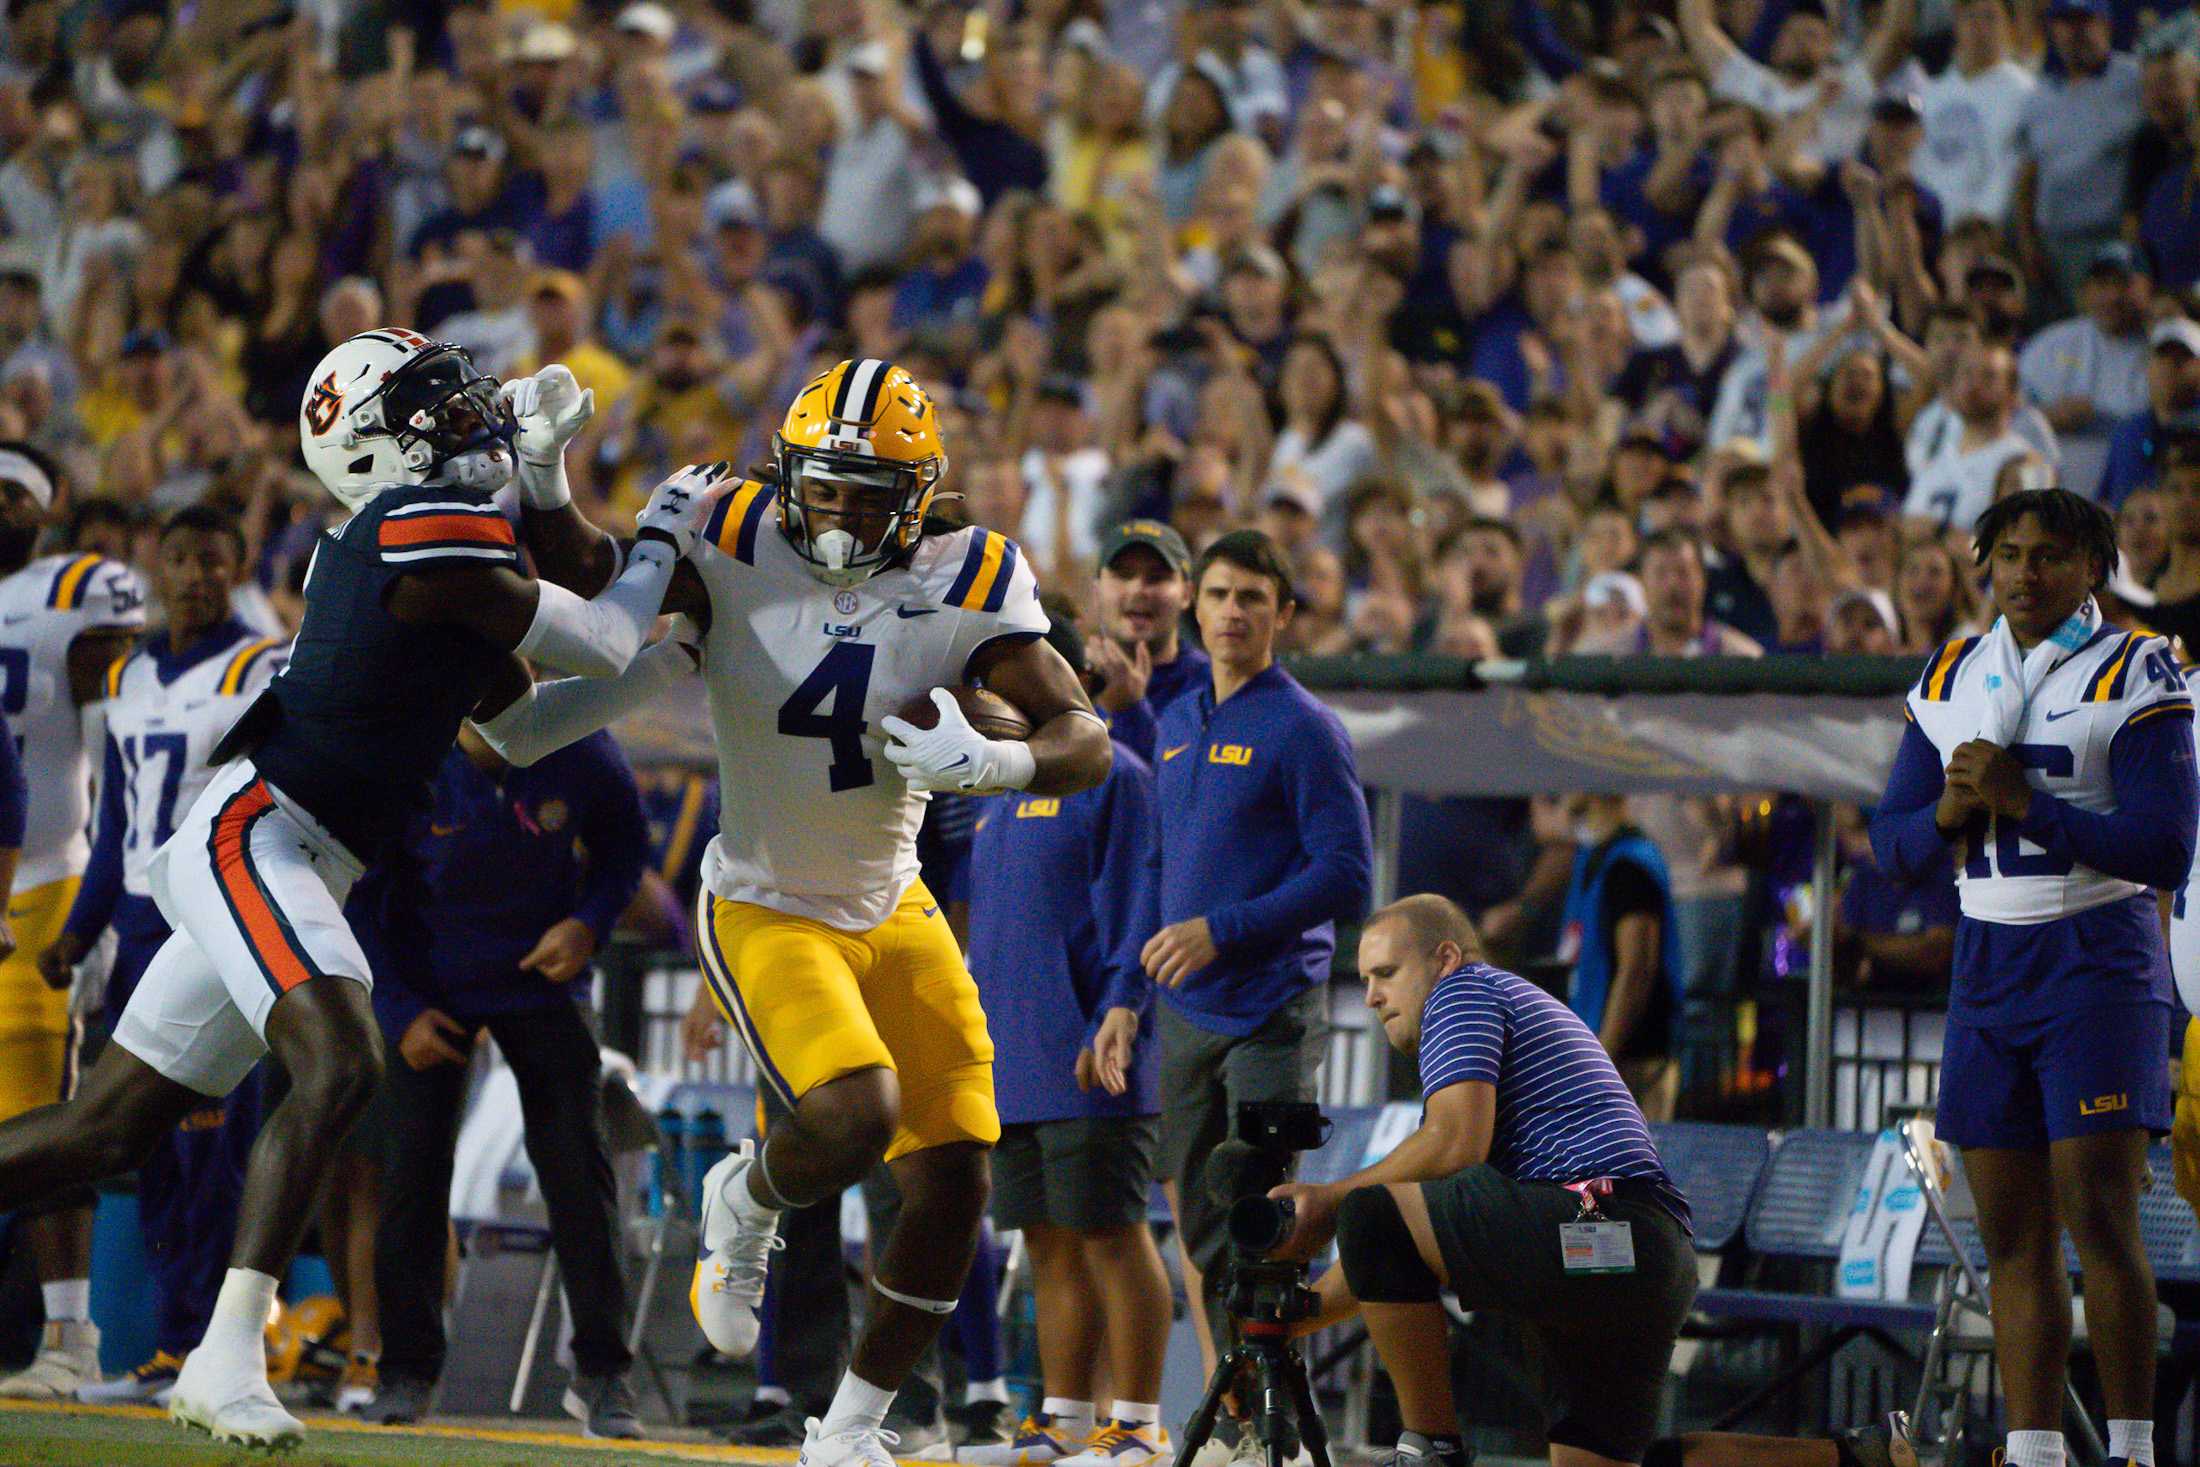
1563, 1113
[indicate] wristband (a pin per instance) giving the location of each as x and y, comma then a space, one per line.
1014, 763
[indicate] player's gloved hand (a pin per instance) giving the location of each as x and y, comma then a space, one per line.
550, 408
951, 755
679, 506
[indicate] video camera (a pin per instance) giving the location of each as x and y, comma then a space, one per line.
1241, 1171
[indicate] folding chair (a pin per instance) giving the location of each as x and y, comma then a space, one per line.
1962, 1307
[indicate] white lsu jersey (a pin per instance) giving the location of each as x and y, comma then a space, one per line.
44, 607
164, 716
2116, 680
814, 821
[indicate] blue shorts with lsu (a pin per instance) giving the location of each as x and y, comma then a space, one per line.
2020, 1086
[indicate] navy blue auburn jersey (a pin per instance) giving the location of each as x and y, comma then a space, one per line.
359, 722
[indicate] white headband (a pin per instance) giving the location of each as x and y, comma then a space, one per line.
18, 468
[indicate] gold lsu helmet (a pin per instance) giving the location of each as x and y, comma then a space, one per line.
869, 431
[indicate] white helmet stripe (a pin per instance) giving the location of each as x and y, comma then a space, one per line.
859, 389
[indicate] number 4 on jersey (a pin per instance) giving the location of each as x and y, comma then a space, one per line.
843, 679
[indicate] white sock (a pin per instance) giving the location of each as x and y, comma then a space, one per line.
995, 1389
236, 1329
771, 1395
859, 1404
2035, 1449
1072, 1418
2133, 1441
67, 1300
1137, 1413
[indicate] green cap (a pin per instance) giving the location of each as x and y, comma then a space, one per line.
1155, 536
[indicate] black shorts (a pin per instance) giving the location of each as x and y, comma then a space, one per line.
1085, 1172
1601, 1342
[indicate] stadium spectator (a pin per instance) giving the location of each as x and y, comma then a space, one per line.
1267, 848
489, 919
1972, 113
1142, 658
2172, 389
2089, 371
1619, 937
2074, 133
1953, 489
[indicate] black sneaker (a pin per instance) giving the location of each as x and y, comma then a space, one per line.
398, 1403
604, 1405
978, 1423
779, 1426
1884, 1444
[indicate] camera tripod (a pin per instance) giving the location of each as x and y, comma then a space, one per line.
1266, 1299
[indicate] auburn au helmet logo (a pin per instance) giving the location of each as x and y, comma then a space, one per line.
321, 407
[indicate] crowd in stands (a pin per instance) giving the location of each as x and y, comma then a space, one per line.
1527, 327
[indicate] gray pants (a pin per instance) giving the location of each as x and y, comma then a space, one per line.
1204, 1076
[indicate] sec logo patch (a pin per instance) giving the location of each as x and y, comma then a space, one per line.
844, 602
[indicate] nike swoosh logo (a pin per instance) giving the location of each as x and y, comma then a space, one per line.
906, 612
1168, 754
2064, 714
960, 761
931, 911
445, 829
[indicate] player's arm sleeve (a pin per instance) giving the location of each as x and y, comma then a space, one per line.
94, 906
549, 716
1905, 837
617, 836
1125, 902
1462, 1035
15, 793
2148, 837
1331, 814
599, 637
117, 598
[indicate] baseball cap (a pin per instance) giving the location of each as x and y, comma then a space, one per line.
21, 468
478, 142
546, 41
1786, 249
732, 202
1615, 588
1155, 536
2115, 257
561, 283
650, 19
954, 192
1861, 503
1292, 489
1878, 600
2175, 331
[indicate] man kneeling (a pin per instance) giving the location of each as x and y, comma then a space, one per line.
1532, 1188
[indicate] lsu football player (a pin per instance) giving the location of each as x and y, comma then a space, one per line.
414, 609
2055, 754
64, 619
821, 603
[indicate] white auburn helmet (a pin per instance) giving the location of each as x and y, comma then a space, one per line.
390, 407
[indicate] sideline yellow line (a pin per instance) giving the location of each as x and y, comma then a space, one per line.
509, 1436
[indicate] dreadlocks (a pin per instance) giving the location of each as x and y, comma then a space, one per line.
2060, 513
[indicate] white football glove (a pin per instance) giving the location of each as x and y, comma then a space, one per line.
951, 755
678, 507
551, 408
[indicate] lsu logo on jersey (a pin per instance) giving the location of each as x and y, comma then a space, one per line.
1238, 754
321, 408
1042, 809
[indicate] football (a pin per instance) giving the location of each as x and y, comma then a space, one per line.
989, 713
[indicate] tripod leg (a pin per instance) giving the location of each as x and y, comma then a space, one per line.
1311, 1429
1202, 1425
1277, 1431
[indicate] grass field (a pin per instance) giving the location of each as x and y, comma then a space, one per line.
132, 1436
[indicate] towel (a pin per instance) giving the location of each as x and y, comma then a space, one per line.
2013, 676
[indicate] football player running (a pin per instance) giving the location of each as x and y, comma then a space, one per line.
414, 609
822, 602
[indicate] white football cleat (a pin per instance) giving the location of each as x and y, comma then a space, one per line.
68, 1361
729, 1277
236, 1405
862, 1446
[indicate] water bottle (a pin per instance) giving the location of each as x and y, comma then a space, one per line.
706, 1148
672, 1127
